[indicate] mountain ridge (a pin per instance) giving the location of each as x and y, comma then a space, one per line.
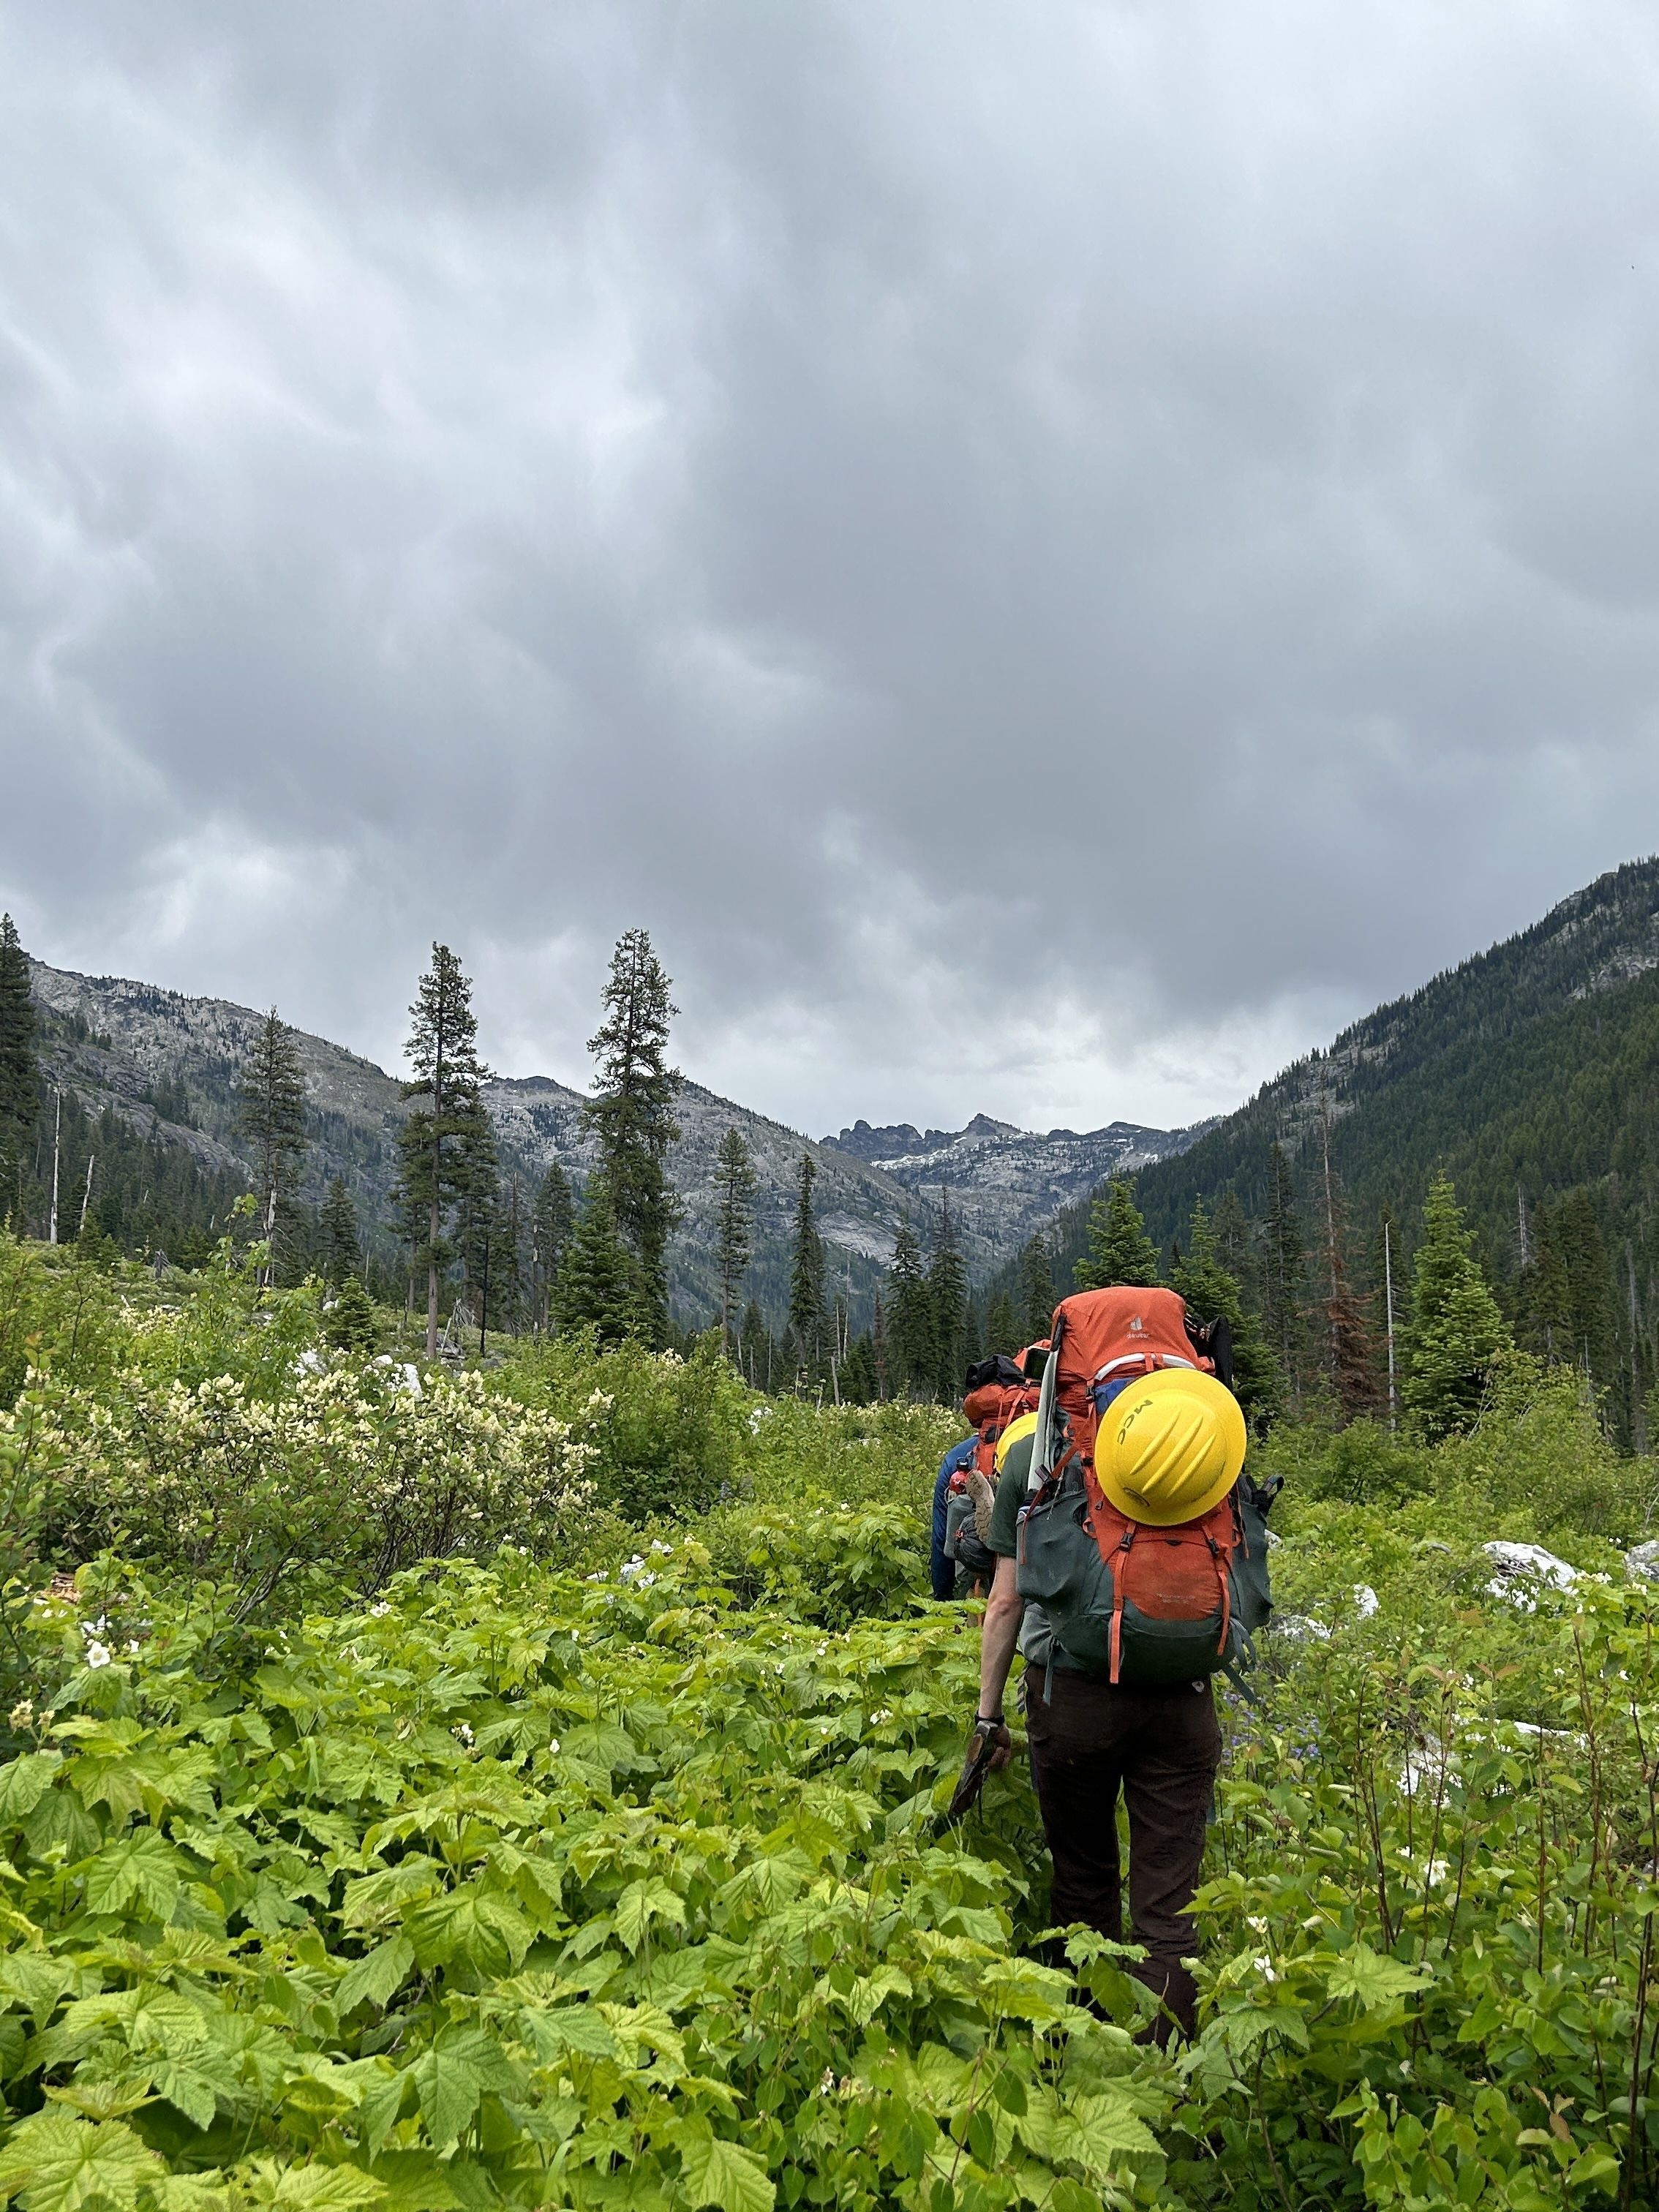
143, 1044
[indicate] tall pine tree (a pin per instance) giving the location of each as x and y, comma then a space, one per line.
439, 1138
807, 1313
911, 1345
947, 1294
270, 1113
1001, 1334
1456, 1331
1282, 1252
631, 1113
1037, 1295
551, 1222
20, 1077
1347, 1354
1120, 1250
597, 1282
342, 1252
734, 1186
1212, 1292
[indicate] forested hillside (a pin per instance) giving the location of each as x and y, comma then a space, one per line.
1530, 1074
149, 1080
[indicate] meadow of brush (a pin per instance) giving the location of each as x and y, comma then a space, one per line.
526, 1790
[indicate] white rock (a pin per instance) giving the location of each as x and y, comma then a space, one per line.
1365, 1601
1642, 1562
1523, 1565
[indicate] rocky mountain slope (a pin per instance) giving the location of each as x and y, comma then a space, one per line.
169, 1064
1005, 1179
1526, 1072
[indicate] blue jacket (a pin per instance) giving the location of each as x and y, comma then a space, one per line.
944, 1571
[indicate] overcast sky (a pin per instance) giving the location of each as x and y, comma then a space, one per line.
1050, 554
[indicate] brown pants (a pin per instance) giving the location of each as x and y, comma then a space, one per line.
1162, 1748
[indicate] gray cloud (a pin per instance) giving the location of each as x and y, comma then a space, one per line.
1149, 506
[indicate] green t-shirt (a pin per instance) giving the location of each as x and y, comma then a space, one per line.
1011, 1496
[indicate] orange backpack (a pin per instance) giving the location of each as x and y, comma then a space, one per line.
990, 1409
1180, 1591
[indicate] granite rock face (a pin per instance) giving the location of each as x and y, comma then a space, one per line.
1003, 1183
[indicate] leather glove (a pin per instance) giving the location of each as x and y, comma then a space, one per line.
1002, 1744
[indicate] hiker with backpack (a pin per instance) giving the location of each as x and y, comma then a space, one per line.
1131, 1567
997, 1391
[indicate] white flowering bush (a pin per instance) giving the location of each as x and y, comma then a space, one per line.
345, 1469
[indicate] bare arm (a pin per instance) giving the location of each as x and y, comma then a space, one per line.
1003, 1612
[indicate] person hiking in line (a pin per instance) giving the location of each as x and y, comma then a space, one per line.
997, 1391
941, 1566
1131, 1565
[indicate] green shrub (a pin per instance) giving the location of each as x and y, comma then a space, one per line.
665, 1435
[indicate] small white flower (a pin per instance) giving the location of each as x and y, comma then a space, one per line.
1255, 1920
379, 1612
554, 1745
1265, 1967
97, 1654
882, 1713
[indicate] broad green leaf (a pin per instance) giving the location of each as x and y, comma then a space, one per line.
1373, 1980
35, 1980
141, 1870
1098, 2131
449, 2091
313, 2188
56, 2162
579, 2028
376, 1977
188, 2089
725, 2174
24, 1781
415, 2181
641, 1903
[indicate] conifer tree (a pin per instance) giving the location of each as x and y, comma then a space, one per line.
910, 1341
1348, 1355
1120, 1250
440, 1138
597, 1282
1456, 1330
858, 1385
350, 1325
631, 1113
271, 1115
550, 1224
947, 1295
487, 1241
1038, 1297
734, 1182
806, 1304
1212, 1293
754, 1348
342, 1253
880, 1357
20, 1080
1283, 1255
1001, 1334
1233, 1244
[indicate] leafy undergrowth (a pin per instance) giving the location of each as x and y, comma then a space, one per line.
598, 1890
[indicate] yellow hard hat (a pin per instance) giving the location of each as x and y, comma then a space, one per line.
1025, 1426
1170, 1446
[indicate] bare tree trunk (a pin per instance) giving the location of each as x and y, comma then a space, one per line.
56, 1131
86, 1195
432, 1285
